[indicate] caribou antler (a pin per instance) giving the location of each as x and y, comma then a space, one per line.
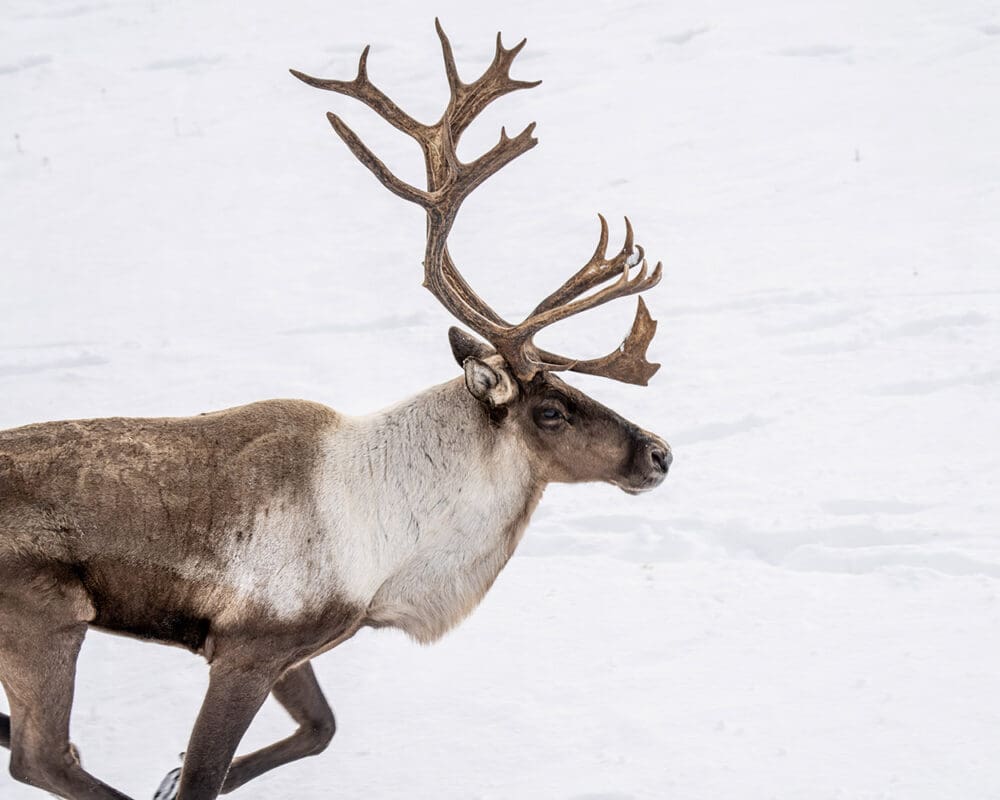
449, 182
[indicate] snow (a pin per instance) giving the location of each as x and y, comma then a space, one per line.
807, 609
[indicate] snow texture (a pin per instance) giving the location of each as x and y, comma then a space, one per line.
807, 610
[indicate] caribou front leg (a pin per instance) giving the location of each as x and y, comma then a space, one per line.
235, 694
300, 695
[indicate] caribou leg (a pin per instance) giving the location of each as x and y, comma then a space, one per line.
300, 695
42, 626
4, 730
235, 694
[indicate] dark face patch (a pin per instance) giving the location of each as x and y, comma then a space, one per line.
574, 439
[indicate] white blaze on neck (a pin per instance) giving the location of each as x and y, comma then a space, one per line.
417, 504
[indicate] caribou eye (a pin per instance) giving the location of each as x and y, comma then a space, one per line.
550, 416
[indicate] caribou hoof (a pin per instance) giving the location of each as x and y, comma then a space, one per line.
167, 790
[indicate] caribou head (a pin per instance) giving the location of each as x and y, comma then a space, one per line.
570, 436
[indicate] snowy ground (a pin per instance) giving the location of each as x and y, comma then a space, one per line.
807, 609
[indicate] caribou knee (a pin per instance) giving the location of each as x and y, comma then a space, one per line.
30, 771
319, 733
22, 771
46, 773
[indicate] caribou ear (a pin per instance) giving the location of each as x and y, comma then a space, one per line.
489, 381
464, 345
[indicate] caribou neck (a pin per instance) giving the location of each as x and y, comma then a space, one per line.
442, 432
425, 502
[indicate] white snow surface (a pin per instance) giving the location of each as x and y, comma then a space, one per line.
807, 609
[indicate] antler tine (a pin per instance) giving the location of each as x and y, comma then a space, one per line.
378, 169
469, 99
502, 153
623, 287
597, 270
627, 363
450, 69
576, 285
361, 88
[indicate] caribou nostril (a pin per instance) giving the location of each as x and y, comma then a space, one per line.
661, 459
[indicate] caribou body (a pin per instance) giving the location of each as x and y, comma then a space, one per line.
264, 535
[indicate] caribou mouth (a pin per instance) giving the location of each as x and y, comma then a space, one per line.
646, 486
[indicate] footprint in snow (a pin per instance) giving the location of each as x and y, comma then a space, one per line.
930, 385
847, 507
24, 63
188, 63
58, 363
718, 430
816, 51
603, 796
373, 325
684, 36
815, 322
918, 327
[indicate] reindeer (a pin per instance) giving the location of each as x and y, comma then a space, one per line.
264, 535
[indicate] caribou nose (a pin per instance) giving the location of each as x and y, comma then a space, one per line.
648, 466
661, 458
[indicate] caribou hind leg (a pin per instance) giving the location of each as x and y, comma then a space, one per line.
43, 615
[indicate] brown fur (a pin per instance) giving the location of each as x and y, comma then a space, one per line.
121, 502
94, 518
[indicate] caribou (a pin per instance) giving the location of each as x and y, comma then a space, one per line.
261, 536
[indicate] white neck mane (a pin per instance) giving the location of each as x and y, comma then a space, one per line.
423, 504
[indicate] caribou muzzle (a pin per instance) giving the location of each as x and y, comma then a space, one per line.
650, 462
